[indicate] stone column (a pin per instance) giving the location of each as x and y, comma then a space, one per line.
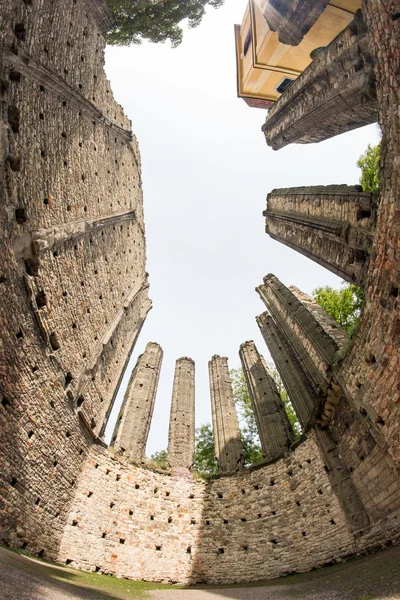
301, 393
273, 425
228, 447
182, 421
336, 93
314, 335
333, 225
134, 420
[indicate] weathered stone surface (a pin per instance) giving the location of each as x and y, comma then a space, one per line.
74, 291
370, 373
228, 447
134, 419
301, 392
74, 295
273, 425
341, 481
258, 524
181, 424
292, 19
314, 335
363, 450
333, 225
336, 93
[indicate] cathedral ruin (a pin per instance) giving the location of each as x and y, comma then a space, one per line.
74, 295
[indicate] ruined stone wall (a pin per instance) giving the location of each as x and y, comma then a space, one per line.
334, 94
333, 225
311, 338
302, 394
260, 523
373, 471
133, 522
370, 373
74, 291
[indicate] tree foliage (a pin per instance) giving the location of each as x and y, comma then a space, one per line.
154, 20
369, 165
160, 459
252, 453
344, 305
205, 462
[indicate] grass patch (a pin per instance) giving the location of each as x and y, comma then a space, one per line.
93, 586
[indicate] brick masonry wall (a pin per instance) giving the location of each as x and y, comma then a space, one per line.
370, 373
74, 291
313, 346
259, 524
333, 225
70, 172
373, 472
335, 93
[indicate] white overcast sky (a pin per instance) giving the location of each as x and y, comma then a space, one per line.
206, 173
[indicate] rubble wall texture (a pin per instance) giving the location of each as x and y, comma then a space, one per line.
370, 373
74, 291
273, 425
310, 337
353, 447
228, 447
301, 392
333, 225
259, 524
68, 318
181, 438
362, 449
134, 419
335, 93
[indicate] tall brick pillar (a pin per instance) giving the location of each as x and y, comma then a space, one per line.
301, 393
182, 422
228, 447
335, 94
314, 335
273, 425
134, 420
333, 225
305, 341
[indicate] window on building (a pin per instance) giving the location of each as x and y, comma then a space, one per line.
283, 85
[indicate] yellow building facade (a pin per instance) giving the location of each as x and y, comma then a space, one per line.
266, 66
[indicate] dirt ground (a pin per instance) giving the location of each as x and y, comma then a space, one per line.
374, 577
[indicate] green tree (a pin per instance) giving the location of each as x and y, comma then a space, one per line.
369, 165
252, 453
205, 462
160, 459
154, 20
344, 305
